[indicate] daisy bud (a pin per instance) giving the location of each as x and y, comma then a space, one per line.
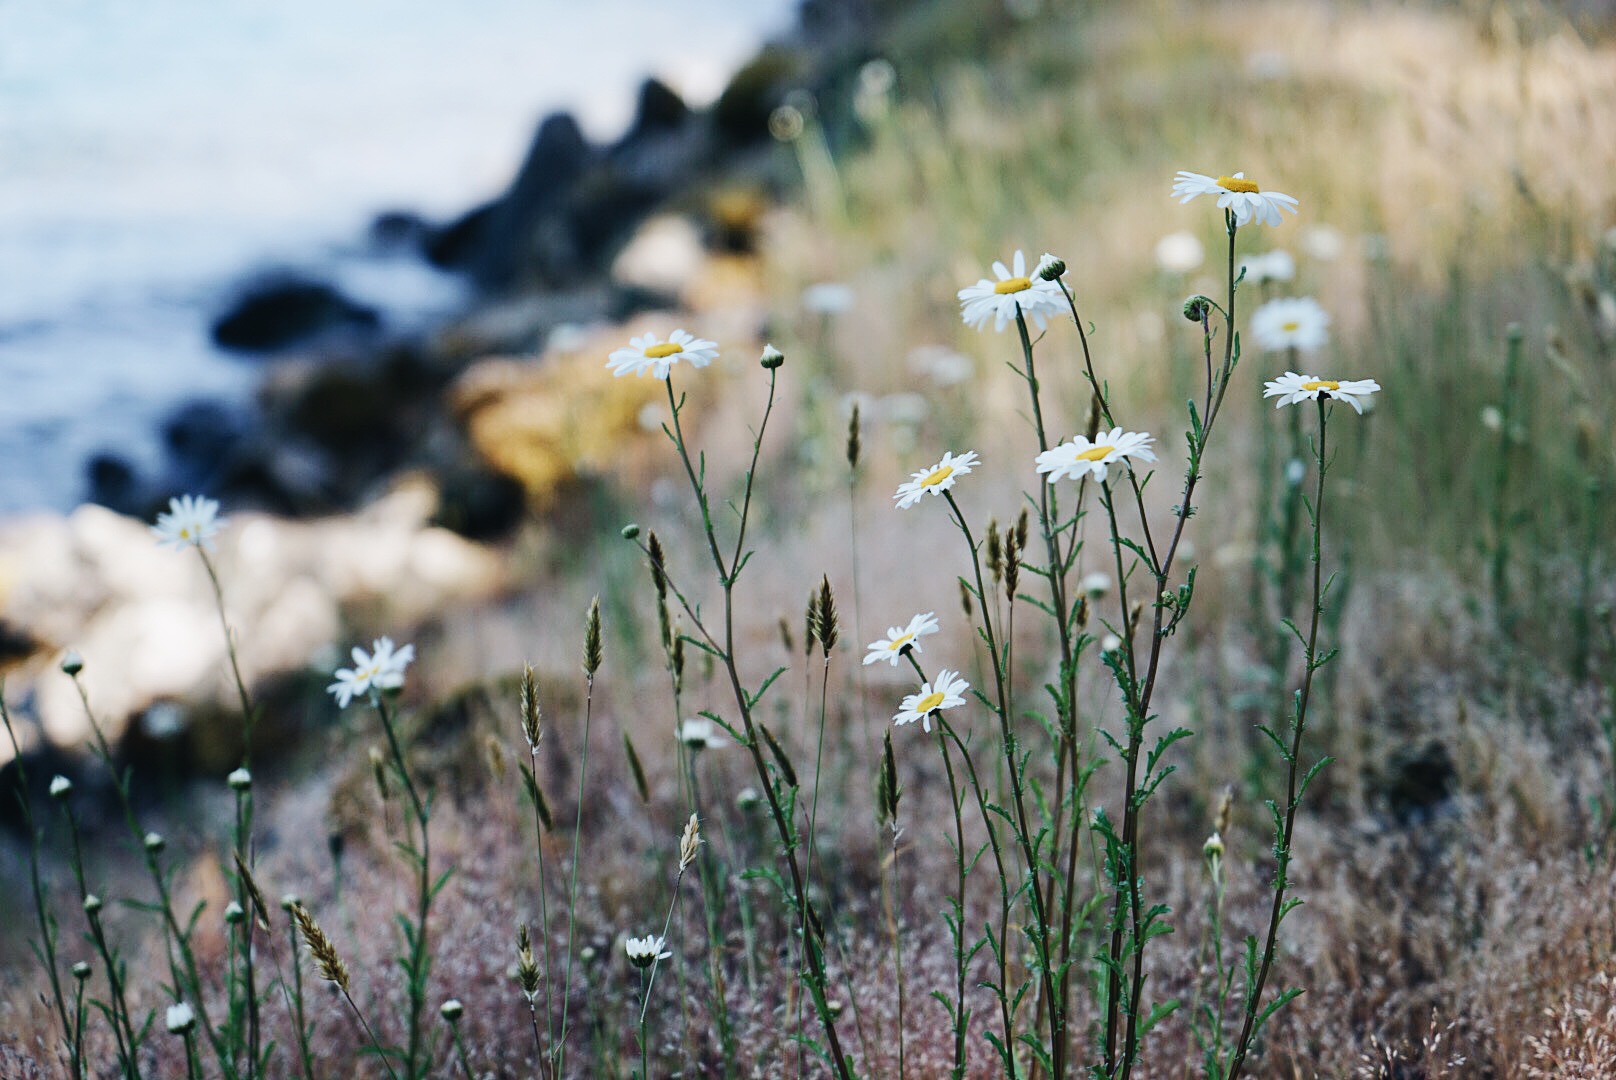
154, 842
81, 971
689, 842
451, 1010
1110, 643
1196, 308
645, 951
1050, 267
92, 904
1213, 848
630, 532
748, 798
772, 358
290, 901
72, 662
180, 1019
60, 787
1096, 584
233, 914
1295, 471
240, 780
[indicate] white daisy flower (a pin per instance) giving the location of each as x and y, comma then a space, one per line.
1291, 323
1097, 583
1179, 253
1080, 457
1292, 388
1239, 196
380, 669
1269, 266
180, 1018
646, 354
191, 521
645, 951
1110, 643
700, 733
946, 692
937, 479
828, 298
1015, 290
899, 638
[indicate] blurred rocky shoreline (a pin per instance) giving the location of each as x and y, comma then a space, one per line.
378, 474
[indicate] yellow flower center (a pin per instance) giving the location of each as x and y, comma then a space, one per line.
1095, 453
1321, 384
1013, 285
930, 702
1290, 327
657, 352
1230, 183
897, 643
938, 475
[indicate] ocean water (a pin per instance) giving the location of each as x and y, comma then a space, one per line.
155, 153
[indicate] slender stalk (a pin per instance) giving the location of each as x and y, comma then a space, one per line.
419, 960
42, 915
191, 1071
961, 1017
460, 1053
375, 1043
572, 888
122, 1026
544, 915
727, 575
1282, 849
305, 1059
895, 926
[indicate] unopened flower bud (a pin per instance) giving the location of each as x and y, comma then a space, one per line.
631, 531
233, 914
92, 904
1051, 267
290, 901
1213, 848
154, 842
81, 971
771, 358
240, 780
60, 787
180, 1019
1196, 308
72, 662
451, 1010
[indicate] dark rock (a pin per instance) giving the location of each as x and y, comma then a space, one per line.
113, 483
479, 503
395, 230
526, 237
741, 113
456, 246
203, 439
284, 311
660, 109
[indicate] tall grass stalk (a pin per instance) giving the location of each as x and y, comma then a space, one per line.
592, 661
1255, 1014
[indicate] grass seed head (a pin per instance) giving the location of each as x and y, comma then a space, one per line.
532, 711
592, 656
326, 961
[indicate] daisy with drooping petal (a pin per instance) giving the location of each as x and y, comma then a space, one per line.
937, 479
1081, 457
1291, 388
700, 733
1241, 197
899, 638
1015, 290
646, 355
380, 669
946, 692
191, 521
1291, 323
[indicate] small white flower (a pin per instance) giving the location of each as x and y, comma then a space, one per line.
1295, 471
180, 1018
1241, 197
191, 521
239, 780
899, 638
647, 355
1081, 457
937, 479
827, 298
1323, 242
60, 787
1179, 253
1292, 388
1096, 584
700, 733
1492, 418
380, 669
1292, 323
946, 692
1273, 265
1110, 643
645, 951
1014, 291
944, 366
